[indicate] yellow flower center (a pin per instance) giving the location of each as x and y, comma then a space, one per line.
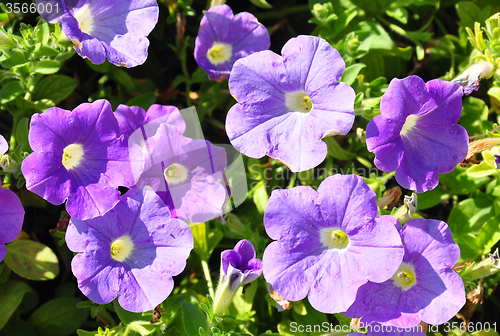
298, 101
72, 156
220, 53
121, 248
333, 238
175, 174
405, 277
410, 122
85, 18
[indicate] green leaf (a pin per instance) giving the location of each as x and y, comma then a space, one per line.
469, 216
336, 151
432, 198
261, 4
475, 116
58, 317
193, 319
200, 240
260, 196
459, 183
144, 101
468, 12
31, 260
398, 13
22, 132
351, 72
489, 234
47, 67
16, 58
10, 91
55, 88
18, 327
11, 295
124, 79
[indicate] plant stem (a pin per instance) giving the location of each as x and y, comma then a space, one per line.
188, 81
206, 271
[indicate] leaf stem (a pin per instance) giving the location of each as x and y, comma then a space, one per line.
206, 272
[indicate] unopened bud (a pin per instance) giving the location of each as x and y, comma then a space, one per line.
470, 78
406, 211
487, 267
8, 164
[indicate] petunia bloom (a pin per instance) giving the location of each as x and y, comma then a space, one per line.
132, 252
417, 134
11, 218
79, 156
186, 173
131, 118
287, 104
4, 146
329, 243
223, 38
424, 288
471, 78
116, 30
238, 267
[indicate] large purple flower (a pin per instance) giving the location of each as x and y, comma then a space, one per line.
131, 251
287, 104
424, 287
186, 173
78, 156
131, 118
417, 135
11, 218
238, 267
224, 38
114, 29
329, 242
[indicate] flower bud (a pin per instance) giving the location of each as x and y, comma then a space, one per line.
487, 267
8, 164
470, 78
406, 211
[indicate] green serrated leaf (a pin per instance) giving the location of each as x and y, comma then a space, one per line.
54, 88
11, 294
31, 260
58, 317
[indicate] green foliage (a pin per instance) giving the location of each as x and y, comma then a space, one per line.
32, 260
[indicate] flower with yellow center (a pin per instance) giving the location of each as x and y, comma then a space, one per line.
405, 277
409, 124
298, 101
72, 156
85, 19
121, 248
334, 238
220, 53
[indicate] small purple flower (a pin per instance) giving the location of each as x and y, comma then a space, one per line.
78, 156
287, 104
238, 267
417, 135
186, 173
131, 251
114, 29
130, 118
329, 243
425, 287
11, 218
224, 38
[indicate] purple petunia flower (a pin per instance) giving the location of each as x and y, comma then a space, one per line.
78, 156
131, 118
424, 287
99, 29
131, 251
417, 135
11, 218
186, 173
329, 242
287, 104
224, 38
238, 267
